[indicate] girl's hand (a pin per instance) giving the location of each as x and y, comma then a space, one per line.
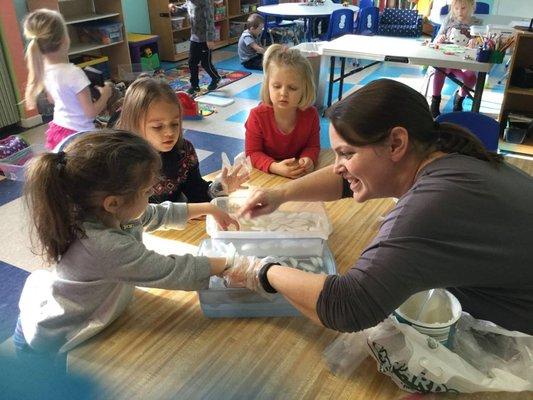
471, 43
106, 91
440, 39
307, 163
234, 180
289, 168
223, 219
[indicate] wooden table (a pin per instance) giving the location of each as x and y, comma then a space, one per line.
163, 347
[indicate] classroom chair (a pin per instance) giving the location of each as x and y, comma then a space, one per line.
277, 25
340, 23
367, 21
400, 22
484, 127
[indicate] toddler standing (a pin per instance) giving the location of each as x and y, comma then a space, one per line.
249, 49
283, 131
66, 84
202, 40
152, 110
459, 18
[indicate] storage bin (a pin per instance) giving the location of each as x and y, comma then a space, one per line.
144, 50
245, 8
219, 301
182, 47
14, 166
236, 28
218, 28
291, 220
177, 22
100, 32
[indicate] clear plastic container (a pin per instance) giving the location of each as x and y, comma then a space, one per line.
292, 220
14, 166
221, 302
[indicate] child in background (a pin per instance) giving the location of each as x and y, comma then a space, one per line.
460, 18
202, 40
66, 85
283, 132
152, 110
89, 206
250, 51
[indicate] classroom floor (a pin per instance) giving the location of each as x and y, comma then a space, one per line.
220, 132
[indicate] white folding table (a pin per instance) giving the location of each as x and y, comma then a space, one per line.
393, 49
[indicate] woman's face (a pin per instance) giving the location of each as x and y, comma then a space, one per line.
366, 168
162, 125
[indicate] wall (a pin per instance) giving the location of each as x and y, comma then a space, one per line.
136, 16
515, 8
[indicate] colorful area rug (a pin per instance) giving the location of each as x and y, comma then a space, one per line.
178, 77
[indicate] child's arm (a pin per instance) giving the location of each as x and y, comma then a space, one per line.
257, 48
289, 168
311, 148
224, 220
254, 143
210, 25
92, 109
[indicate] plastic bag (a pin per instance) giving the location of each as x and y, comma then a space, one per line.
486, 357
223, 186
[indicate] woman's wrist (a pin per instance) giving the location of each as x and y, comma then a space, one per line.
263, 278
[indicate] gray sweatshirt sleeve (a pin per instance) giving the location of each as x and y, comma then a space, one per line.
209, 21
166, 215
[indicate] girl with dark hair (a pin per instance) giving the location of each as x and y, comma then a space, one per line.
463, 219
89, 206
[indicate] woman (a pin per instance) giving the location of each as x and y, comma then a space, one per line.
463, 220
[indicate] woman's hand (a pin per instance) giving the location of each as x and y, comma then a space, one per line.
289, 168
307, 163
223, 219
261, 202
245, 273
233, 180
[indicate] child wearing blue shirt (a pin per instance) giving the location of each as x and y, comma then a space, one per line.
250, 51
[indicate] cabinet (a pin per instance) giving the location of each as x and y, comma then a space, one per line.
518, 99
174, 32
79, 12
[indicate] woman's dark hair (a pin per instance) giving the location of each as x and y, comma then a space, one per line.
368, 115
64, 189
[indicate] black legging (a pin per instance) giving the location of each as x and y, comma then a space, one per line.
199, 53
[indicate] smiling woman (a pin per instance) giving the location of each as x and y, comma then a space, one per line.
387, 145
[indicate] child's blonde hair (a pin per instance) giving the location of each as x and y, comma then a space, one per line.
46, 30
65, 189
470, 4
139, 97
280, 56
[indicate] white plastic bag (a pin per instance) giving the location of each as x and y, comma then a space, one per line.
223, 187
487, 357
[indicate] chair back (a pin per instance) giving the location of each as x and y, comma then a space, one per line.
366, 3
367, 21
481, 8
340, 23
400, 22
484, 127
268, 2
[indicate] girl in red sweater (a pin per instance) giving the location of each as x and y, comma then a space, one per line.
283, 131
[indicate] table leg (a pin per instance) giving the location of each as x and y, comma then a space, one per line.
480, 84
331, 79
341, 81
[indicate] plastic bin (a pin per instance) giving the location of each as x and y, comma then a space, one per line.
218, 301
14, 166
291, 220
101, 32
177, 23
236, 28
182, 47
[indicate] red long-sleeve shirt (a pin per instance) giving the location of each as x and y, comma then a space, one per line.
265, 143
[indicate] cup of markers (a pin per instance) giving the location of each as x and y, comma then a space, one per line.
492, 48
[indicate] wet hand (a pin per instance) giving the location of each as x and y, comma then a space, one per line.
223, 219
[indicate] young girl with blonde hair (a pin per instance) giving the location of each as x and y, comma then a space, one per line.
152, 110
89, 206
459, 19
66, 84
283, 131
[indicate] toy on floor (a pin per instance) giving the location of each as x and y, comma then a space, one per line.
214, 99
189, 106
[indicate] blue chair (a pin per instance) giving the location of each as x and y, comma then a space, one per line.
484, 127
277, 25
399, 22
340, 23
367, 21
366, 3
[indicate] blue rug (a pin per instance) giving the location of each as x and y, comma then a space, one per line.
11, 284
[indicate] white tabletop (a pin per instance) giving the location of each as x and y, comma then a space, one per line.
304, 10
384, 48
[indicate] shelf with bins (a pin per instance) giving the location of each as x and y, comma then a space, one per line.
82, 13
516, 99
238, 12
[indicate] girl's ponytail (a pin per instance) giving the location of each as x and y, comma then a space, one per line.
50, 205
34, 60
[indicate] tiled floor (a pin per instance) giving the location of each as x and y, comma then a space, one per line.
222, 131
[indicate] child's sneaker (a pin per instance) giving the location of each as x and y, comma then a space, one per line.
214, 84
193, 89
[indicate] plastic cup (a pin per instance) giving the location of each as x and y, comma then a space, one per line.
483, 55
432, 312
